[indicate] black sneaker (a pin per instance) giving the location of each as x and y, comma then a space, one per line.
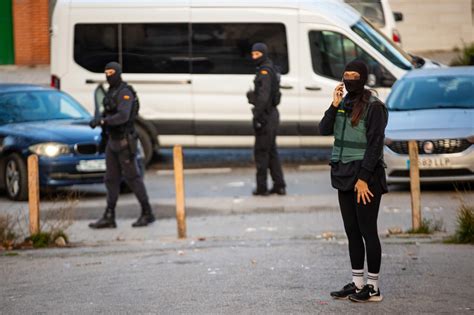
367, 294
345, 292
257, 192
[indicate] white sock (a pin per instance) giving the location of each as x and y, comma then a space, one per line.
358, 277
373, 279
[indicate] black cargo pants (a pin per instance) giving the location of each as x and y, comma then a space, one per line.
266, 154
121, 164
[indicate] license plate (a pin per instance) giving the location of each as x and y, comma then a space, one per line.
431, 163
91, 166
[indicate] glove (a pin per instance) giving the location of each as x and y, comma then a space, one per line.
258, 124
94, 122
251, 97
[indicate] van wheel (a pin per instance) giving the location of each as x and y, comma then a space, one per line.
145, 143
16, 178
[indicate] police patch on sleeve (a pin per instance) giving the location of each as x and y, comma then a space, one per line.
264, 72
126, 97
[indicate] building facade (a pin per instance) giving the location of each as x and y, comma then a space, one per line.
24, 32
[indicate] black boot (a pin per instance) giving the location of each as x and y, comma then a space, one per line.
145, 218
260, 192
278, 190
106, 222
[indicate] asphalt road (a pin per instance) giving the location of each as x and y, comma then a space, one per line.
237, 264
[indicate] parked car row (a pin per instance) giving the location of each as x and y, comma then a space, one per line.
436, 108
52, 125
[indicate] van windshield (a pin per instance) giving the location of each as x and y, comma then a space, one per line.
382, 44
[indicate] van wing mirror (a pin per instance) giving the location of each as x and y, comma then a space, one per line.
398, 16
99, 95
371, 80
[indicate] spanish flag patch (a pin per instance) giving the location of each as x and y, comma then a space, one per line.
264, 72
126, 97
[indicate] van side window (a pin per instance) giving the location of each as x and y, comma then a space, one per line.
331, 51
95, 45
145, 48
155, 48
224, 48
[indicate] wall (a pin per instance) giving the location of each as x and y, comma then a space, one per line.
435, 24
31, 31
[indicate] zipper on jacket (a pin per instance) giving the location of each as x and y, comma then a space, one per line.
342, 138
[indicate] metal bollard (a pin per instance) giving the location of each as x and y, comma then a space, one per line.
179, 186
34, 194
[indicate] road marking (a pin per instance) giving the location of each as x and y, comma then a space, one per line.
195, 171
317, 167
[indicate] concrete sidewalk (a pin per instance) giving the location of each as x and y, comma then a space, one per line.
228, 191
236, 264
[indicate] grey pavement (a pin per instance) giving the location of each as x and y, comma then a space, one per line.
243, 254
236, 264
224, 191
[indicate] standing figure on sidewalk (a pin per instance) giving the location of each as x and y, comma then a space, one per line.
266, 118
121, 109
358, 123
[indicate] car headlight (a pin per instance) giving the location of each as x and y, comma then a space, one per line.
50, 149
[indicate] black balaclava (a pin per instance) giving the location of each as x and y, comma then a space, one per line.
115, 79
355, 88
261, 47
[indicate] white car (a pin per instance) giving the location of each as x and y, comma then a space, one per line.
379, 13
435, 107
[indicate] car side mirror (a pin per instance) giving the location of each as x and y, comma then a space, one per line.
398, 16
372, 80
387, 80
99, 95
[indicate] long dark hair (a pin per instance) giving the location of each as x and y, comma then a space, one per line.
359, 106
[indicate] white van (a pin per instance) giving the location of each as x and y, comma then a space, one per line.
189, 61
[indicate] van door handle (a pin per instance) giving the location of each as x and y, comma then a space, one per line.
90, 81
313, 88
286, 87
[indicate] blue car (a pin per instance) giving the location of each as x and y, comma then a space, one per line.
51, 124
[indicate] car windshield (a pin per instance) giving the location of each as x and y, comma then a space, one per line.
25, 106
382, 44
432, 92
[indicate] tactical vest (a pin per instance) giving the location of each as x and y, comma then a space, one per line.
276, 78
119, 132
350, 142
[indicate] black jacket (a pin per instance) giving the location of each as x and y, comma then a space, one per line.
262, 96
376, 121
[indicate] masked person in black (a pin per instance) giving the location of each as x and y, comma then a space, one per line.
121, 110
358, 123
265, 98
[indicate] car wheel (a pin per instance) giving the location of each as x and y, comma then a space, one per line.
145, 143
16, 178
